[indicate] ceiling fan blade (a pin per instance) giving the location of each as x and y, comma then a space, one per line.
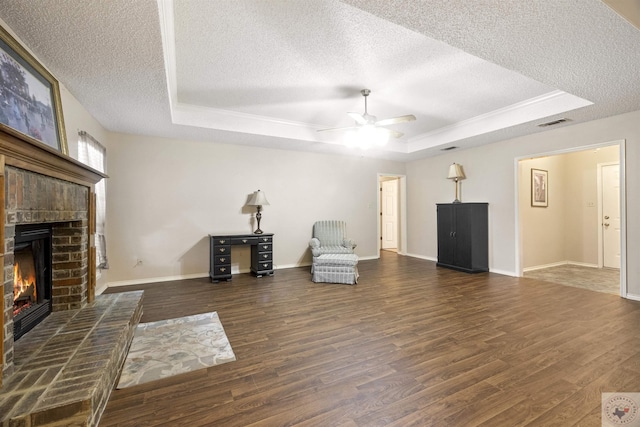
343, 128
393, 121
359, 118
391, 132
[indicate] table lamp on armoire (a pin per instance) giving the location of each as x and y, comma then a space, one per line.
456, 174
258, 199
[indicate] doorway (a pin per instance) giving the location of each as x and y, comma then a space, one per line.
564, 241
392, 213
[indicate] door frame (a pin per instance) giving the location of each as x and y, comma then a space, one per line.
600, 208
402, 211
621, 143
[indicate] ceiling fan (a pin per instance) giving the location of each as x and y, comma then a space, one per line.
366, 120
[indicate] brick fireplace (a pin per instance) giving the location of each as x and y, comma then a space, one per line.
32, 198
62, 371
39, 185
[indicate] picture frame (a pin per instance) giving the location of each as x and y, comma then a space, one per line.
539, 188
30, 104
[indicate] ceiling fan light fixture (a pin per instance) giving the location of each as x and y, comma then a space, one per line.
365, 137
368, 130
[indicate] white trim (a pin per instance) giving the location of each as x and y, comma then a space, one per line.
624, 286
156, 279
100, 289
503, 272
201, 275
558, 264
540, 267
402, 211
168, 36
546, 105
427, 258
633, 297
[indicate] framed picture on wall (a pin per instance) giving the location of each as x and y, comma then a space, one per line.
30, 105
539, 188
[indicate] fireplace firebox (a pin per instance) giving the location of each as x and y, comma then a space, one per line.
31, 277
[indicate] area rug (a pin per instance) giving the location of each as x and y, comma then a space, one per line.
175, 346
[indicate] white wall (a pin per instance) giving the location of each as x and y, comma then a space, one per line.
542, 229
76, 118
583, 220
566, 230
491, 177
165, 196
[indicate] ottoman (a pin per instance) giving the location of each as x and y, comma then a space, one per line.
335, 268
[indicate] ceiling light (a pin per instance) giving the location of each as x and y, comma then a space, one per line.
366, 136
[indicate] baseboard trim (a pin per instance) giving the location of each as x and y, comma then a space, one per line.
428, 258
633, 297
134, 282
557, 264
504, 272
155, 279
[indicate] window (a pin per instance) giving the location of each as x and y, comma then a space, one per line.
93, 154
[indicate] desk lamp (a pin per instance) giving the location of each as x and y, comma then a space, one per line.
456, 174
258, 199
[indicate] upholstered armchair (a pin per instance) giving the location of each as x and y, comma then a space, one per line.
330, 237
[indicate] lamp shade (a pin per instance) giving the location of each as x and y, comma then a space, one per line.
456, 172
258, 199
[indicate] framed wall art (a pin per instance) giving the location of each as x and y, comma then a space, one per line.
30, 105
539, 188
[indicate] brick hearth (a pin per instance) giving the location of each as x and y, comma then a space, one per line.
67, 366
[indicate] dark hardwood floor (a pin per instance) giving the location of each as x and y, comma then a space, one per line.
410, 344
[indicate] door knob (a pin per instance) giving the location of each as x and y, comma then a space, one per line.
606, 224
606, 217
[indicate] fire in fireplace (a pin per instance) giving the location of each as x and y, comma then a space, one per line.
31, 277
25, 293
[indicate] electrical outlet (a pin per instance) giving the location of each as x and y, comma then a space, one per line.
591, 204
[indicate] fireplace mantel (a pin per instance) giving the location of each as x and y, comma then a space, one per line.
41, 159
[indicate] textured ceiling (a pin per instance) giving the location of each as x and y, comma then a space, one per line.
271, 73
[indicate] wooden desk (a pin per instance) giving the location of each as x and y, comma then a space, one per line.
220, 254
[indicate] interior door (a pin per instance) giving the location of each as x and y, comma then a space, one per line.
611, 215
389, 198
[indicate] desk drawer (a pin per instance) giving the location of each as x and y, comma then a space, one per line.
244, 241
265, 256
222, 270
265, 247
265, 265
222, 260
222, 249
265, 239
221, 240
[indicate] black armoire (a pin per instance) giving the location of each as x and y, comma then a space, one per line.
463, 236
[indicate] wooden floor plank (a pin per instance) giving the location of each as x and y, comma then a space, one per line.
410, 344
